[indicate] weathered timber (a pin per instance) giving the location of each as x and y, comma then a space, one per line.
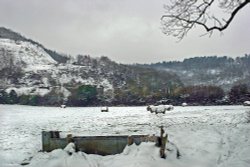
102, 145
163, 141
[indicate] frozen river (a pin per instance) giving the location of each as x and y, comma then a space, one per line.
205, 136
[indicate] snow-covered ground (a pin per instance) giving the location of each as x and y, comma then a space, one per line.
206, 136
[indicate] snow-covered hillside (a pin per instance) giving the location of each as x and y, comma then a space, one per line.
211, 70
35, 70
206, 136
38, 69
25, 54
28, 68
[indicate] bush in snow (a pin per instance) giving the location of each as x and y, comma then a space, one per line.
239, 93
200, 94
83, 96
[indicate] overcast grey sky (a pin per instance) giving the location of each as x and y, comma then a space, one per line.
127, 31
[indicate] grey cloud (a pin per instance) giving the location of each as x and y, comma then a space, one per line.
126, 31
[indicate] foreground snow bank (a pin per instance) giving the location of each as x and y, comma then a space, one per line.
144, 155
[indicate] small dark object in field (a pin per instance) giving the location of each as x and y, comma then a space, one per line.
178, 154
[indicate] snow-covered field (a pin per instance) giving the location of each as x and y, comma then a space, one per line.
206, 136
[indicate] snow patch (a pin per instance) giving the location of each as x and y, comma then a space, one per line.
29, 91
25, 52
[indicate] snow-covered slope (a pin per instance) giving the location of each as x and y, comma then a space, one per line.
25, 54
34, 70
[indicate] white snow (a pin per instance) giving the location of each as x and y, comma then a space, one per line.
145, 155
67, 78
66, 93
29, 91
213, 71
45, 81
106, 84
206, 136
34, 56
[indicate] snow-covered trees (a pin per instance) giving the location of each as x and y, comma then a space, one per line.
84, 95
200, 94
239, 93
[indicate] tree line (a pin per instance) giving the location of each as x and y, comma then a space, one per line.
89, 95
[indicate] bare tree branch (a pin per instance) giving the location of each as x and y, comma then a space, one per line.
183, 15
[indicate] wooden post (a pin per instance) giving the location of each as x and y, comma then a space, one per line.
130, 140
69, 138
163, 143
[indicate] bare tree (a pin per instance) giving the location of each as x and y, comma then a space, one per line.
183, 15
